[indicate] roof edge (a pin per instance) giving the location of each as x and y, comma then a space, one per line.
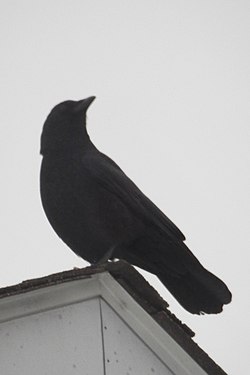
140, 290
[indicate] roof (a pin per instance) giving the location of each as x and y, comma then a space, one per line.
141, 291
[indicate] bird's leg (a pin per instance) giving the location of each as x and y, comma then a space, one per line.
114, 251
106, 256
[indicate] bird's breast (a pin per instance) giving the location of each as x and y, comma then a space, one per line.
81, 211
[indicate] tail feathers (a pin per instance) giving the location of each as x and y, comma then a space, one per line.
198, 290
195, 288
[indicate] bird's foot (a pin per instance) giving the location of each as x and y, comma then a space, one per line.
105, 257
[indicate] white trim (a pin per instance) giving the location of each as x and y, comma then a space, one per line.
161, 343
48, 298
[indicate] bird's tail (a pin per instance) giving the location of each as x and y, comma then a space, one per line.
197, 290
194, 287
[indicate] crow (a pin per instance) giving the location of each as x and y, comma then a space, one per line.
102, 215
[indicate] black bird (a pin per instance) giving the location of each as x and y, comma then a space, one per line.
101, 214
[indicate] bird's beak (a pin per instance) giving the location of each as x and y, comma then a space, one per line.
83, 105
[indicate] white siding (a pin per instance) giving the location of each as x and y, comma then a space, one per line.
66, 340
125, 352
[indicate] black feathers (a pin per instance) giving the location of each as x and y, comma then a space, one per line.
101, 214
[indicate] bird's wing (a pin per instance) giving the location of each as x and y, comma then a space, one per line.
109, 175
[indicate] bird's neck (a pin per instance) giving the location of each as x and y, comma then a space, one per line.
71, 149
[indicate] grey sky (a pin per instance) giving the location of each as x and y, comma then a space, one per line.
172, 86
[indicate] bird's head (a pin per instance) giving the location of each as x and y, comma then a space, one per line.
65, 126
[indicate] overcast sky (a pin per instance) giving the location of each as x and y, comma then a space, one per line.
172, 109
